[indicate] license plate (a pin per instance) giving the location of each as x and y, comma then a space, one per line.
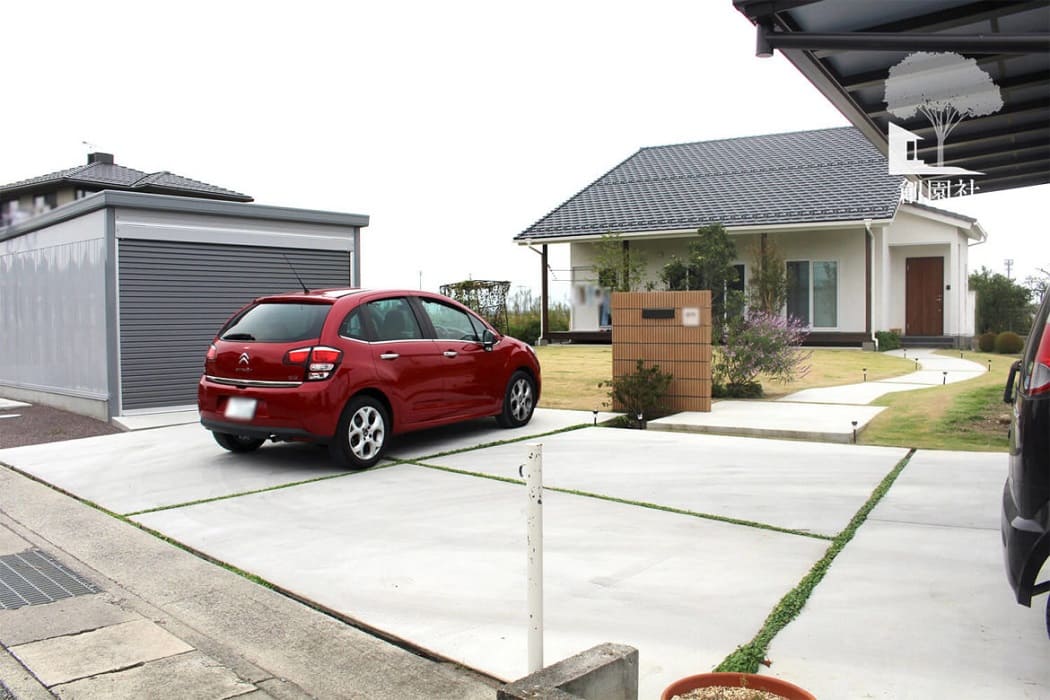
240, 409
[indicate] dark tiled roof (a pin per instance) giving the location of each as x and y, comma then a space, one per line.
801, 177
112, 176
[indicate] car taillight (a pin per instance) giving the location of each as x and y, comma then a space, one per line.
320, 361
323, 362
213, 352
297, 357
1039, 380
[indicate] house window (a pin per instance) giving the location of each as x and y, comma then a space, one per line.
45, 202
813, 292
8, 212
738, 285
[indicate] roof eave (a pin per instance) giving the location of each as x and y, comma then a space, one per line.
684, 233
192, 205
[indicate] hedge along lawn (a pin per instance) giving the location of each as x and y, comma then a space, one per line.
960, 416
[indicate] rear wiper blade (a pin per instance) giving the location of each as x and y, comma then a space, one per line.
238, 336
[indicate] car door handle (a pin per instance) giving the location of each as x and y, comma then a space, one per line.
389, 356
450, 353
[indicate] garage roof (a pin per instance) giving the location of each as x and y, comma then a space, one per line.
846, 49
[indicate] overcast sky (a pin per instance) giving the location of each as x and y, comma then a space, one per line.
454, 125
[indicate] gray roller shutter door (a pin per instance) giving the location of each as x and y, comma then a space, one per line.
175, 296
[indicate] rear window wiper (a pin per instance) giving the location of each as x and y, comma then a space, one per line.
238, 336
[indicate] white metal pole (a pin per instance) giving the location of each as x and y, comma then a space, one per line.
534, 523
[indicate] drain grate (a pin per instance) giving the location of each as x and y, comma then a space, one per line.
33, 577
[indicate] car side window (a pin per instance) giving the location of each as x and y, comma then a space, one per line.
451, 323
354, 326
1032, 345
394, 320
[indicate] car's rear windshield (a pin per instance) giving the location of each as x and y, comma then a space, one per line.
271, 322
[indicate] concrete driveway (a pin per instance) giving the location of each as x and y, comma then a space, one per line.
677, 544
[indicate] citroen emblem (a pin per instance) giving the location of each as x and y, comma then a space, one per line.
244, 360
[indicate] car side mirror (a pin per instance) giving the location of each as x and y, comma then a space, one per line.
488, 340
1008, 393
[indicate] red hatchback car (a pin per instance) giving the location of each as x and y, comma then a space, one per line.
350, 368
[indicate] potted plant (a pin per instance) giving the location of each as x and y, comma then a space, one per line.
753, 681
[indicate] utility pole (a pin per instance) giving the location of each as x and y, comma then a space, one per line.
1009, 262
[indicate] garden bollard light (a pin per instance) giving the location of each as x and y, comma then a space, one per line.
945, 380
595, 412
865, 369
854, 431
989, 365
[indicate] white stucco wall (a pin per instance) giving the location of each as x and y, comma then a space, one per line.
843, 246
915, 235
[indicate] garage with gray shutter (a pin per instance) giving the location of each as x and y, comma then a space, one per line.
108, 303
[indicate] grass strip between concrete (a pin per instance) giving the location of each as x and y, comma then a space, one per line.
747, 658
278, 487
498, 443
629, 502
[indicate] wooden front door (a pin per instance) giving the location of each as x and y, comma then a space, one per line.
924, 296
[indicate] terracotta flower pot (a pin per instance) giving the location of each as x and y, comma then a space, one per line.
754, 681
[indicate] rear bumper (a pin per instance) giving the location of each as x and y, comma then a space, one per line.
1026, 547
260, 432
309, 411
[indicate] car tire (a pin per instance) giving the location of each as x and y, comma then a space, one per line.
237, 443
361, 437
519, 401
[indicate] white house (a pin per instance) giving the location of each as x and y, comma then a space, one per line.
859, 259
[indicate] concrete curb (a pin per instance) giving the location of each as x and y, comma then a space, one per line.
604, 672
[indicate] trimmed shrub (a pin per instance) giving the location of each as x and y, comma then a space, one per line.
640, 393
888, 340
986, 342
1008, 343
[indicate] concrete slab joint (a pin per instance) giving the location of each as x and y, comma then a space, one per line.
604, 672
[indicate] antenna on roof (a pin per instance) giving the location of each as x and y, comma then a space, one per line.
297, 277
91, 146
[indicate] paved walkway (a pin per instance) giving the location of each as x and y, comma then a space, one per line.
827, 414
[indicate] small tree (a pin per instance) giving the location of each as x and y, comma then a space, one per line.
768, 284
1002, 304
762, 344
711, 257
619, 268
679, 275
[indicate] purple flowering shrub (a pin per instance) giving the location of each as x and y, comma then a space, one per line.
763, 343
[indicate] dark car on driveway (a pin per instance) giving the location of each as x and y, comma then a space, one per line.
1026, 495
351, 368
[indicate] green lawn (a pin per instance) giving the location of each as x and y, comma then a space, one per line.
961, 416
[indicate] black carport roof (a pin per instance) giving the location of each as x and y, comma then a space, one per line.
846, 48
